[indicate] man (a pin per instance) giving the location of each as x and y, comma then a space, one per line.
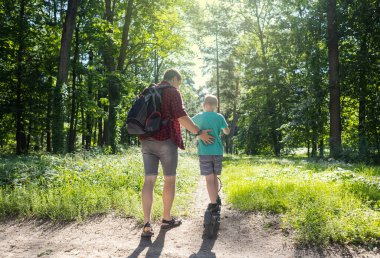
163, 147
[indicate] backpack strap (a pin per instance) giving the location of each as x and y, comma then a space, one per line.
162, 87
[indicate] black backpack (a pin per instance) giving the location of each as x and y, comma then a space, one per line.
145, 118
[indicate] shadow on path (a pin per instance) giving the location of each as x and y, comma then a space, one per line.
205, 250
144, 243
155, 248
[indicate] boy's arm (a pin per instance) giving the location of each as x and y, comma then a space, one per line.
225, 128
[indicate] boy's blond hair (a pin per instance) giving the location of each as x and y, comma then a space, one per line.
211, 100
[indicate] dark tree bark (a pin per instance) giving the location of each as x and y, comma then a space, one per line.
113, 81
124, 40
363, 148
271, 112
235, 118
48, 115
334, 107
321, 148
71, 140
314, 143
109, 62
21, 144
89, 118
217, 69
28, 138
84, 129
100, 133
364, 60
62, 78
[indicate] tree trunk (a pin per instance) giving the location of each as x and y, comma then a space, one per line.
113, 82
28, 138
334, 107
363, 56
100, 123
21, 145
71, 140
62, 78
321, 148
94, 136
48, 115
217, 69
124, 40
84, 129
109, 62
75, 124
235, 115
89, 118
314, 144
272, 114
100, 133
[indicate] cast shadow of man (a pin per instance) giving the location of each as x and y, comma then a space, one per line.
155, 248
207, 245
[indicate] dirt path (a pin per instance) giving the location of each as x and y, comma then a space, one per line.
240, 235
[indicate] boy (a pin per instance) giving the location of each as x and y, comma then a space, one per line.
211, 155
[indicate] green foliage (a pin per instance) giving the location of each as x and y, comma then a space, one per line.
322, 202
74, 187
272, 72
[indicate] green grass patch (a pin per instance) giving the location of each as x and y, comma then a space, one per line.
74, 187
322, 202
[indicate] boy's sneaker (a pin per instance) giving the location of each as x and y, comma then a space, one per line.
211, 218
211, 211
219, 201
214, 208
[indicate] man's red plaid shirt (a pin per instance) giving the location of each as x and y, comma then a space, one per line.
171, 109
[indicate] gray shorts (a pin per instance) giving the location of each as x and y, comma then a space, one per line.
154, 151
210, 164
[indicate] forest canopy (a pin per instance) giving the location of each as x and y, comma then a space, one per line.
288, 74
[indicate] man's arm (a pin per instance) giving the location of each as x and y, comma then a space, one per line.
186, 122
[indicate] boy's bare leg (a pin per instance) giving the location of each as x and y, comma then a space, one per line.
211, 187
168, 195
216, 184
147, 196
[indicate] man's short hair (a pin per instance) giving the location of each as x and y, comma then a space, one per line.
171, 73
211, 100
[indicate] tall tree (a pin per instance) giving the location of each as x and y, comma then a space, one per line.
113, 80
72, 129
335, 119
62, 78
21, 145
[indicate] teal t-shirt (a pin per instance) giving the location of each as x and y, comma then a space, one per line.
215, 122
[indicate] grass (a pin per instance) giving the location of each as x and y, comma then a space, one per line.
74, 187
322, 202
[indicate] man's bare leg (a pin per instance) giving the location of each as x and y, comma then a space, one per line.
147, 196
168, 195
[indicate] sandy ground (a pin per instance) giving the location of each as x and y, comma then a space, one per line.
240, 235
